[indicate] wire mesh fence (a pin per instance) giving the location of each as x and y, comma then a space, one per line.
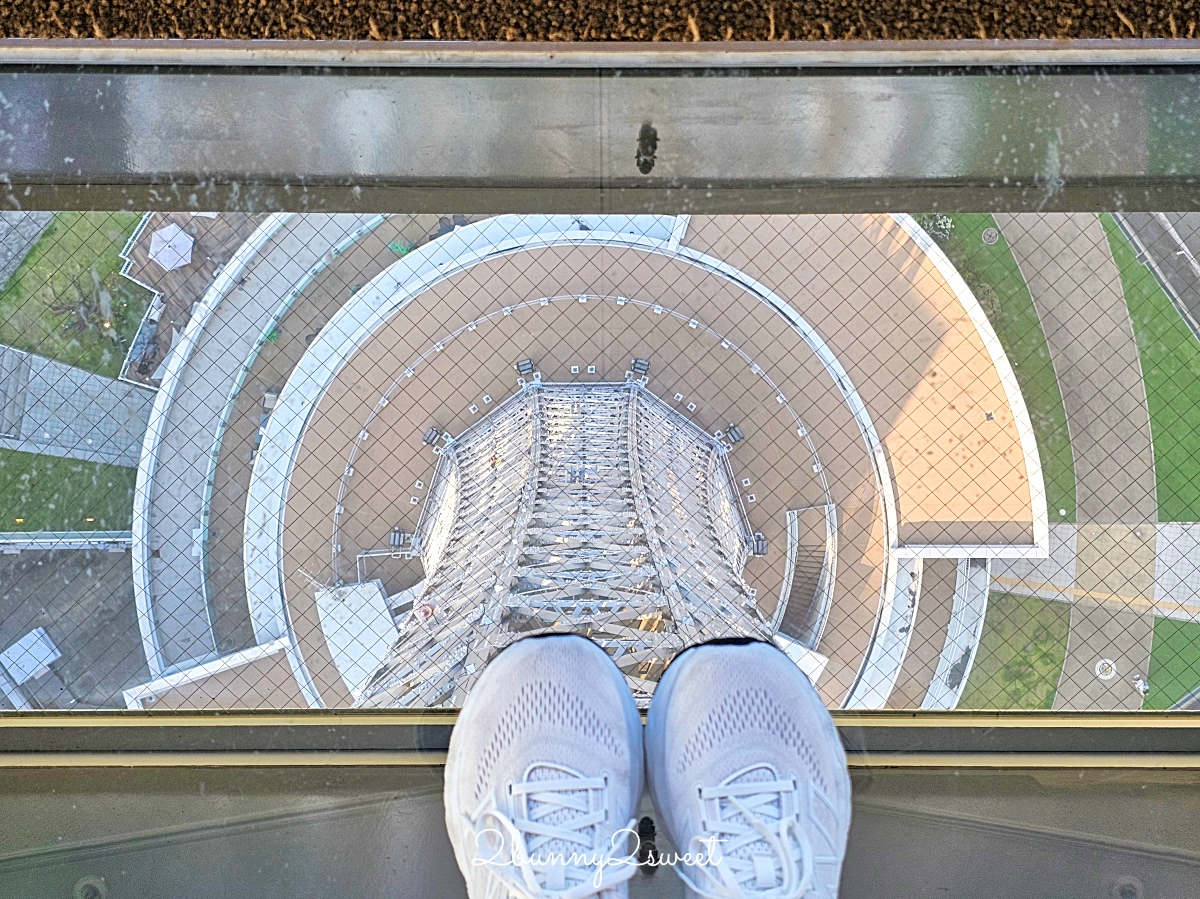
310, 460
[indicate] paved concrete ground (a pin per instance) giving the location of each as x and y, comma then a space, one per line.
1115, 560
84, 600
1147, 568
1105, 631
19, 231
1177, 570
61, 410
180, 609
1051, 578
1170, 243
1076, 288
934, 606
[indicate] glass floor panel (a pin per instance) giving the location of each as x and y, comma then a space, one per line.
333, 832
338, 460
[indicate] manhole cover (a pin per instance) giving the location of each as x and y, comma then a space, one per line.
1106, 669
990, 236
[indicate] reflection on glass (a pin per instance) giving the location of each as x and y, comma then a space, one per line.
334, 832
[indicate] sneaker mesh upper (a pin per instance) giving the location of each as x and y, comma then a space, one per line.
747, 709
542, 704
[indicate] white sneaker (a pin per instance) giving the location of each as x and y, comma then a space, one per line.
748, 774
544, 775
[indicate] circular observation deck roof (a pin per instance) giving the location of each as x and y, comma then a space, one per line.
837, 346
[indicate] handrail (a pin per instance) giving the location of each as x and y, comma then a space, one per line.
346, 738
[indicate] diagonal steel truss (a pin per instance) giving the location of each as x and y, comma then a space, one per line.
588, 508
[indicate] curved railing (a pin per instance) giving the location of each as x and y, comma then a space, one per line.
239, 381
156, 426
971, 586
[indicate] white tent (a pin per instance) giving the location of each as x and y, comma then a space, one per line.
171, 247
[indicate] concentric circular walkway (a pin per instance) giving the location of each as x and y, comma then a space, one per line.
865, 377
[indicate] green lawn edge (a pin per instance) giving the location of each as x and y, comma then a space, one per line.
67, 299
48, 493
1174, 662
996, 280
1170, 356
1020, 655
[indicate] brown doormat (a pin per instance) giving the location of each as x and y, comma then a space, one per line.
599, 20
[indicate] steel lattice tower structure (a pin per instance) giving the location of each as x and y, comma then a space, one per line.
582, 508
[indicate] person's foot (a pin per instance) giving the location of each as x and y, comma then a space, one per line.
544, 775
748, 774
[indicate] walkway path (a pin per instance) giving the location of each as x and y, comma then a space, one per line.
929, 635
1076, 287
59, 410
180, 610
19, 231
1165, 579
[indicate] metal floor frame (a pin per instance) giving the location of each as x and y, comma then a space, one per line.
741, 128
789, 127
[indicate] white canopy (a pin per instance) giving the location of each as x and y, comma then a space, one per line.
171, 247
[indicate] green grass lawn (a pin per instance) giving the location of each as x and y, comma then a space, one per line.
1174, 662
67, 300
44, 493
1170, 355
1020, 654
993, 276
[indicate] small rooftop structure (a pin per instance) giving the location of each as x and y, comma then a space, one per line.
30, 657
358, 628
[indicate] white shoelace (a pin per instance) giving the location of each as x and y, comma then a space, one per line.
525, 874
749, 813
